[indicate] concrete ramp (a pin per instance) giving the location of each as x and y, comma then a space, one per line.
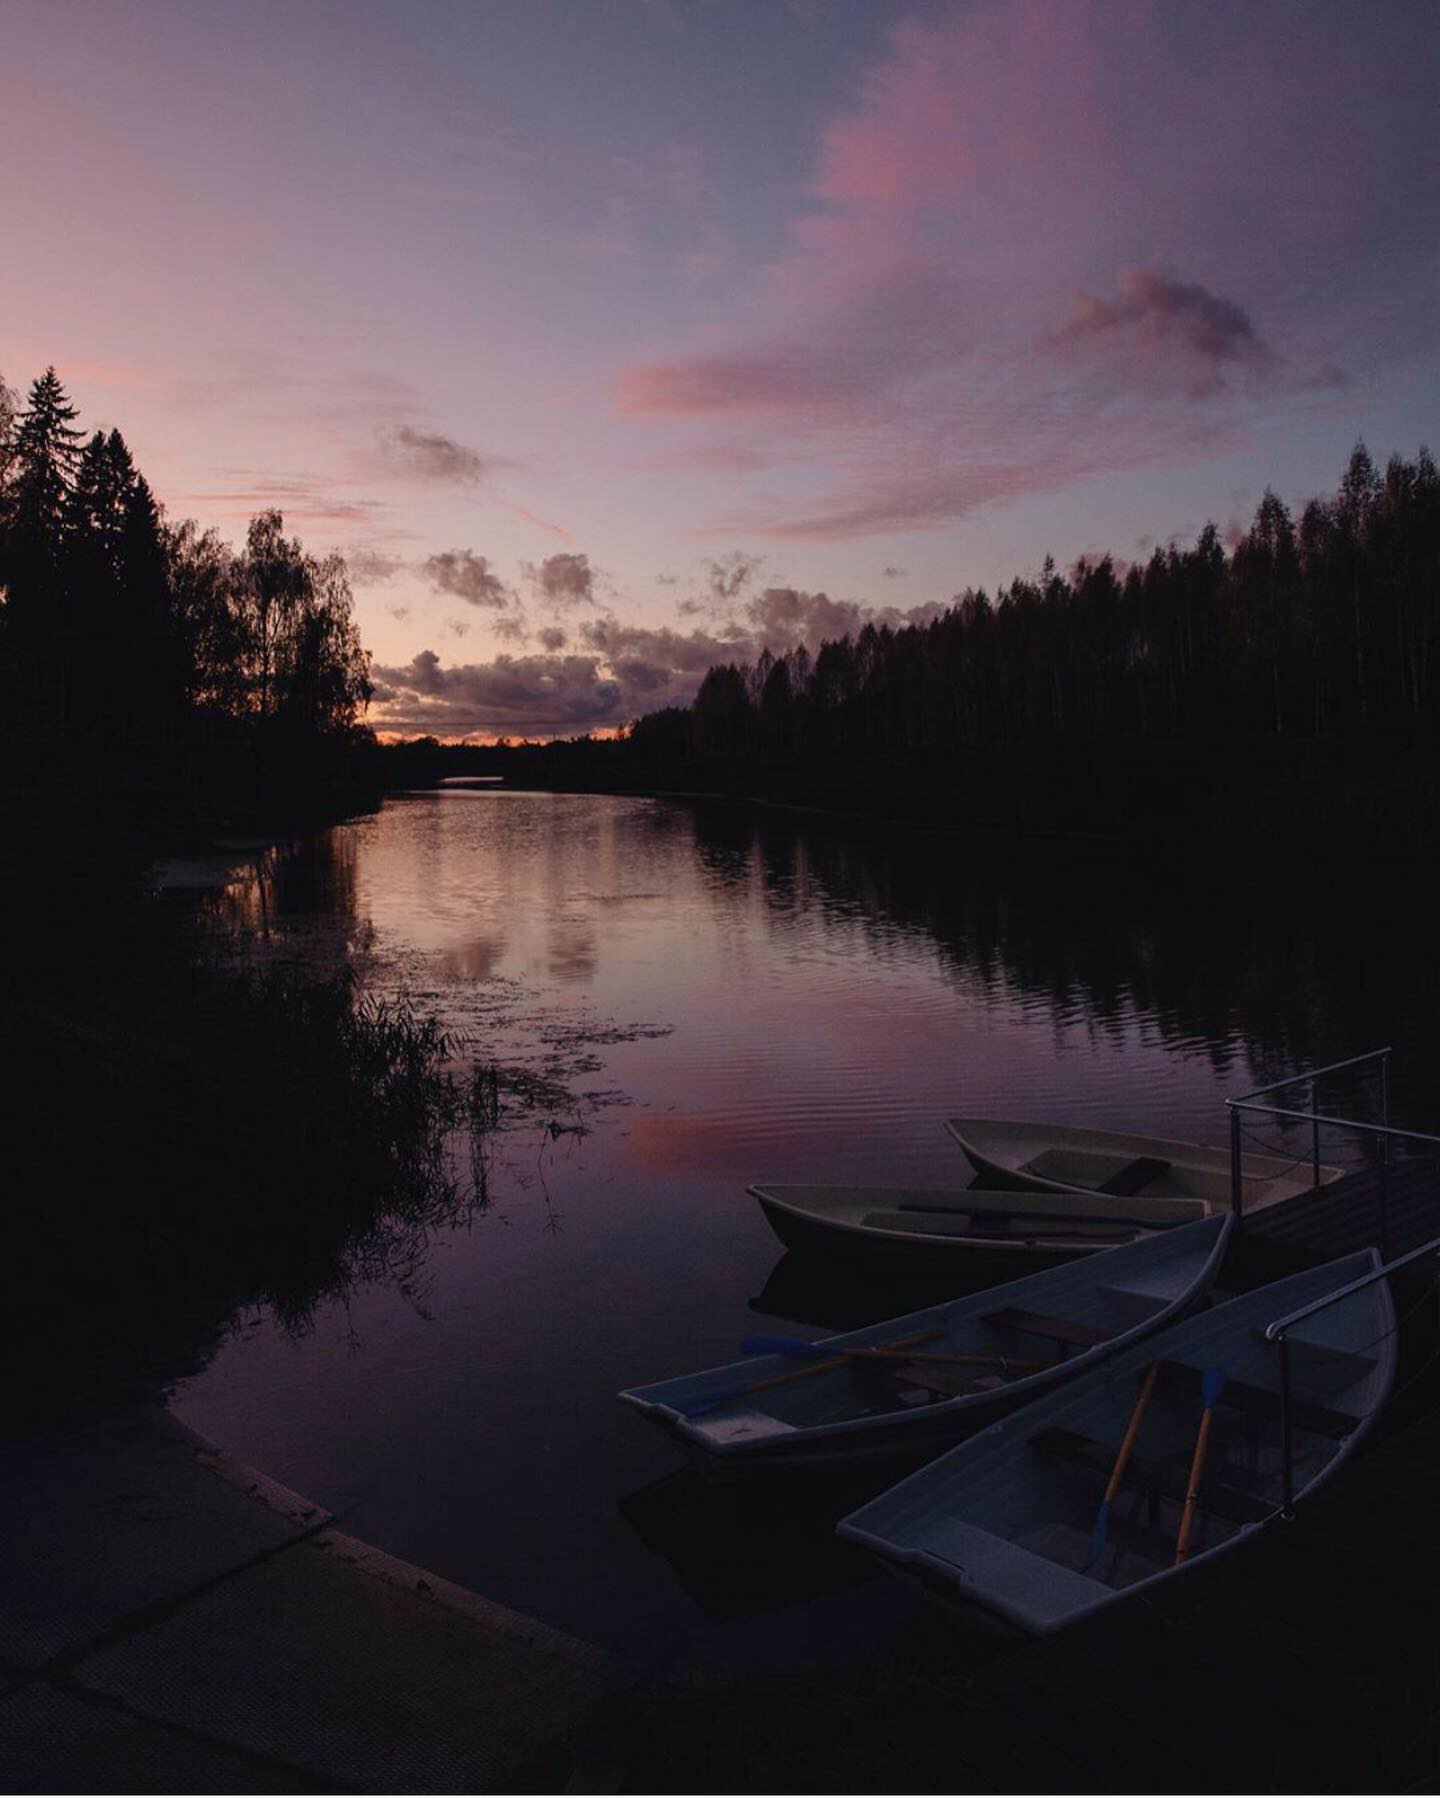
180, 1616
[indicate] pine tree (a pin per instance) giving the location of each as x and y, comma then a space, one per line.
46, 457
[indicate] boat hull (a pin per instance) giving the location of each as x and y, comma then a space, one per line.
973, 1262
1008, 1520
844, 1414
1048, 1158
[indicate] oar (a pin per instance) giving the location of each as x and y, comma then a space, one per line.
1117, 1473
711, 1402
1212, 1384
800, 1349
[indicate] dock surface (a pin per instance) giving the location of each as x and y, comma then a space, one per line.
175, 1622
1396, 1211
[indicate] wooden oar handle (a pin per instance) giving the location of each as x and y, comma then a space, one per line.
900, 1345
1132, 1429
1192, 1495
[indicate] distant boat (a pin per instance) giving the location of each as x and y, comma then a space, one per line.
933, 1230
1010, 1521
939, 1372
1056, 1158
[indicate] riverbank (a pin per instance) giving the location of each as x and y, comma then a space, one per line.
176, 1622
1280, 800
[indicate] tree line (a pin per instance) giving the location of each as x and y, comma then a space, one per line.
1324, 627
173, 670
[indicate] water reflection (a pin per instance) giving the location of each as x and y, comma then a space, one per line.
679, 999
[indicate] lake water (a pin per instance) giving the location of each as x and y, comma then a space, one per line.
691, 997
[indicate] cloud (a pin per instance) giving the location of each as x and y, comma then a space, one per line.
1160, 329
467, 577
891, 573
565, 579
533, 518
1003, 154
303, 498
607, 671
511, 626
371, 568
881, 331
535, 694
432, 456
728, 576
784, 618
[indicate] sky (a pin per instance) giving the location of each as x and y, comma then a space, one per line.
609, 339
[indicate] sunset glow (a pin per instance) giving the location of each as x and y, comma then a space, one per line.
610, 340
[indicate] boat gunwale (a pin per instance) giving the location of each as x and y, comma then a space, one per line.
891, 1428
1263, 1170
948, 1580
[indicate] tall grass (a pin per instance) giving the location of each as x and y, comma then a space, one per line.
186, 1143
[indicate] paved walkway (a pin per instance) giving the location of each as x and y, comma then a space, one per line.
174, 1622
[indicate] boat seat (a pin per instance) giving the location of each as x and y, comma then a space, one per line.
1322, 1366
997, 1226
1130, 1180
1059, 1330
946, 1380
1261, 1402
1169, 1479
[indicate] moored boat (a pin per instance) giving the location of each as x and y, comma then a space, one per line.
920, 1382
932, 1230
1081, 1498
1055, 1158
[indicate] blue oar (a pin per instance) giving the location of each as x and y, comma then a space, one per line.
1212, 1385
1117, 1473
712, 1402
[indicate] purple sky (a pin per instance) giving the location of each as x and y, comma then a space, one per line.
609, 337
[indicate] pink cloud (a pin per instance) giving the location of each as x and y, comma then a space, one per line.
1196, 180
533, 518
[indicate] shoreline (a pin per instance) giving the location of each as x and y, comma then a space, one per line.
186, 1623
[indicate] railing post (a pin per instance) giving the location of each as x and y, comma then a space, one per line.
1385, 1089
1236, 1185
1282, 1349
1314, 1139
1384, 1196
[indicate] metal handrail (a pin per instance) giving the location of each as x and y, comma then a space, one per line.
1312, 1074
1252, 1102
1274, 1332
1349, 1124
1278, 1333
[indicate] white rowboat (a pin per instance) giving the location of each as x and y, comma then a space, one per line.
1055, 1158
830, 1409
1009, 1520
935, 1230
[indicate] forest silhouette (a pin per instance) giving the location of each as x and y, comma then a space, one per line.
174, 677
1301, 630
1281, 689
183, 1138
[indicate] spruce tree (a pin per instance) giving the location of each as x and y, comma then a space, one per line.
46, 458
44, 461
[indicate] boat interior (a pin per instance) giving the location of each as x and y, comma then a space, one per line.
1046, 1500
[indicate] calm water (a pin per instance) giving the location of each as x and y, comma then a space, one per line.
693, 998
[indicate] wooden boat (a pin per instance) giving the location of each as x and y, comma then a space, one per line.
1010, 1521
920, 1382
1056, 1158
931, 1230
